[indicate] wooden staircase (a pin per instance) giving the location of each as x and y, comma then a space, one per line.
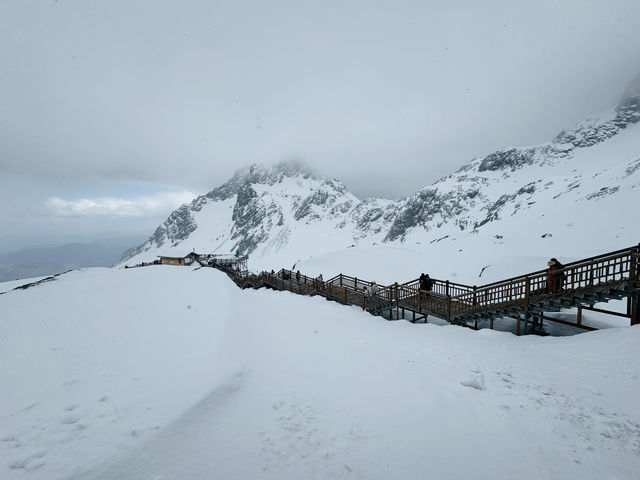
610, 276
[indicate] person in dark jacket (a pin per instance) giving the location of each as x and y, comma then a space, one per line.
555, 276
426, 283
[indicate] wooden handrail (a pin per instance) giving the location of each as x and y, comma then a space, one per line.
591, 272
567, 268
571, 264
451, 300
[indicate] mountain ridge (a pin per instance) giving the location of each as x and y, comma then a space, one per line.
290, 203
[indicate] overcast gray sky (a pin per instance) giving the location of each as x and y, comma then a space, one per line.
113, 112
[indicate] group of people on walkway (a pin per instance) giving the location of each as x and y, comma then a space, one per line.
372, 289
298, 277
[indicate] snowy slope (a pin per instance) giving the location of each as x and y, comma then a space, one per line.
168, 372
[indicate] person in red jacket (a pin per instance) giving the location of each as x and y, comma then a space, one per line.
555, 276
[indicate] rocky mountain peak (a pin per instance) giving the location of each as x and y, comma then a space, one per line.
600, 128
629, 105
259, 174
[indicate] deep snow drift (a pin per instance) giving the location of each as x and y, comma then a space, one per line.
168, 372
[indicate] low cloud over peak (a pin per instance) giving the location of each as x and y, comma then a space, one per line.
118, 207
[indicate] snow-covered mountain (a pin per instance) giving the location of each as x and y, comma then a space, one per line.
289, 212
265, 210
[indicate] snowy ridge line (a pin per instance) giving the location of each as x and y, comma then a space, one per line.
34, 284
583, 283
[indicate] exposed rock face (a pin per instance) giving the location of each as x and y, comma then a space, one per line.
493, 212
255, 217
594, 131
628, 109
248, 216
512, 159
430, 208
266, 209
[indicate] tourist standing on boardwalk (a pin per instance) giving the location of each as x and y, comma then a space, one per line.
555, 276
426, 283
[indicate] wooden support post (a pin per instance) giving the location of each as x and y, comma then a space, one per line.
475, 299
447, 288
340, 279
402, 312
491, 323
414, 317
420, 300
526, 295
518, 326
396, 298
448, 304
634, 275
345, 295
579, 317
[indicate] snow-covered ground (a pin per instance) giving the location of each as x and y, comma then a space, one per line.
10, 285
173, 373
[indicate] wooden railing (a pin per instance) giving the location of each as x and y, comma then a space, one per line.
604, 270
442, 287
452, 301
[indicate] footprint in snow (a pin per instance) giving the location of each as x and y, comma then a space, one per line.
477, 382
473, 383
70, 420
32, 462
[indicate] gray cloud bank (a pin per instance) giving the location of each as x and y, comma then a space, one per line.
118, 207
386, 96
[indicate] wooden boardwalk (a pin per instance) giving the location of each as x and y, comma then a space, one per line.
525, 298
